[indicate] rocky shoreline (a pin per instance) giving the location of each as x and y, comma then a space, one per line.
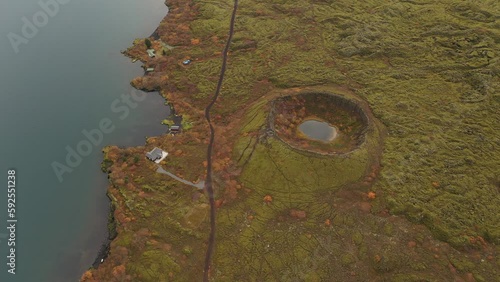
112, 233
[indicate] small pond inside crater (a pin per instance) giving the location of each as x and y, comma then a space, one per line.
318, 130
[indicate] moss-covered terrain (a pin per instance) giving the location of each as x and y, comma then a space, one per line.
417, 200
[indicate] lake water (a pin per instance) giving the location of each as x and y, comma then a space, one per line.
67, 77
318, 130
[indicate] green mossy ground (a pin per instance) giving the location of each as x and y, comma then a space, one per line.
430, 74
429, 71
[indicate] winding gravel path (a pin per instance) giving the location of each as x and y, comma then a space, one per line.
208, 182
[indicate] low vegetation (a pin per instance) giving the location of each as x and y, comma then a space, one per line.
418, 201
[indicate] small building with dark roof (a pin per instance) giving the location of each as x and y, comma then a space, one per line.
175, 129
154, 154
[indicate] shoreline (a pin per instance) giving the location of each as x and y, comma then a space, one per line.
111, 232
171, 32
104, 250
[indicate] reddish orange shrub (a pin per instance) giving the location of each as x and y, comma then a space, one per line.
268, 198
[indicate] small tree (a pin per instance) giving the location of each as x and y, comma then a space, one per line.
148, 43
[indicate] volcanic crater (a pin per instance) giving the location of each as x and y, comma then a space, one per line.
319, 122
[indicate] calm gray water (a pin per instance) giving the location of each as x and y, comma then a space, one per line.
64, 80
318, 130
